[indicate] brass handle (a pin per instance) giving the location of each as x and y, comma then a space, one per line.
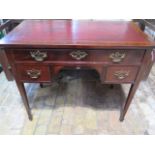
38, 56
33, 74
78, 55
121, 74
117, 57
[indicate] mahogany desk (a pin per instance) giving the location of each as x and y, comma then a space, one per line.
38, 49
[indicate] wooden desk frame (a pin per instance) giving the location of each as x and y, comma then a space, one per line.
38, 61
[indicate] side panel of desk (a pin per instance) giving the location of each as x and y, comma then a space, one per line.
5, 65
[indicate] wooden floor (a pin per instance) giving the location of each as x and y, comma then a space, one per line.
77, 104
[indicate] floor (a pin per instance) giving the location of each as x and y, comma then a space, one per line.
77, 104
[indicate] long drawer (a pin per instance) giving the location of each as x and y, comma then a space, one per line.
79, 56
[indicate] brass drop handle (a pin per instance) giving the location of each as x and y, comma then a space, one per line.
117, 57
78, 55
121, 74
38, 56
33, 74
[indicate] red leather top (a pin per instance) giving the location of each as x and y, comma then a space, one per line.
72, 33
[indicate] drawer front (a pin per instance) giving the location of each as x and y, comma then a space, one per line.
71, 55
121, 74
33, 73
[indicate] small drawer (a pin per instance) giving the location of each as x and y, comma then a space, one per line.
30, 55
33, 73
121, 74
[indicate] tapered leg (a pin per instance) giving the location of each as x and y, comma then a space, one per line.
125, 107
135, 85
22, 91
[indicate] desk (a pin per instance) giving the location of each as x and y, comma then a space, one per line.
38, 49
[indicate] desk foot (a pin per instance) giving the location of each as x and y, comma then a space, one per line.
121, 119
30, 117
41, 85
22, 91
111, 86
